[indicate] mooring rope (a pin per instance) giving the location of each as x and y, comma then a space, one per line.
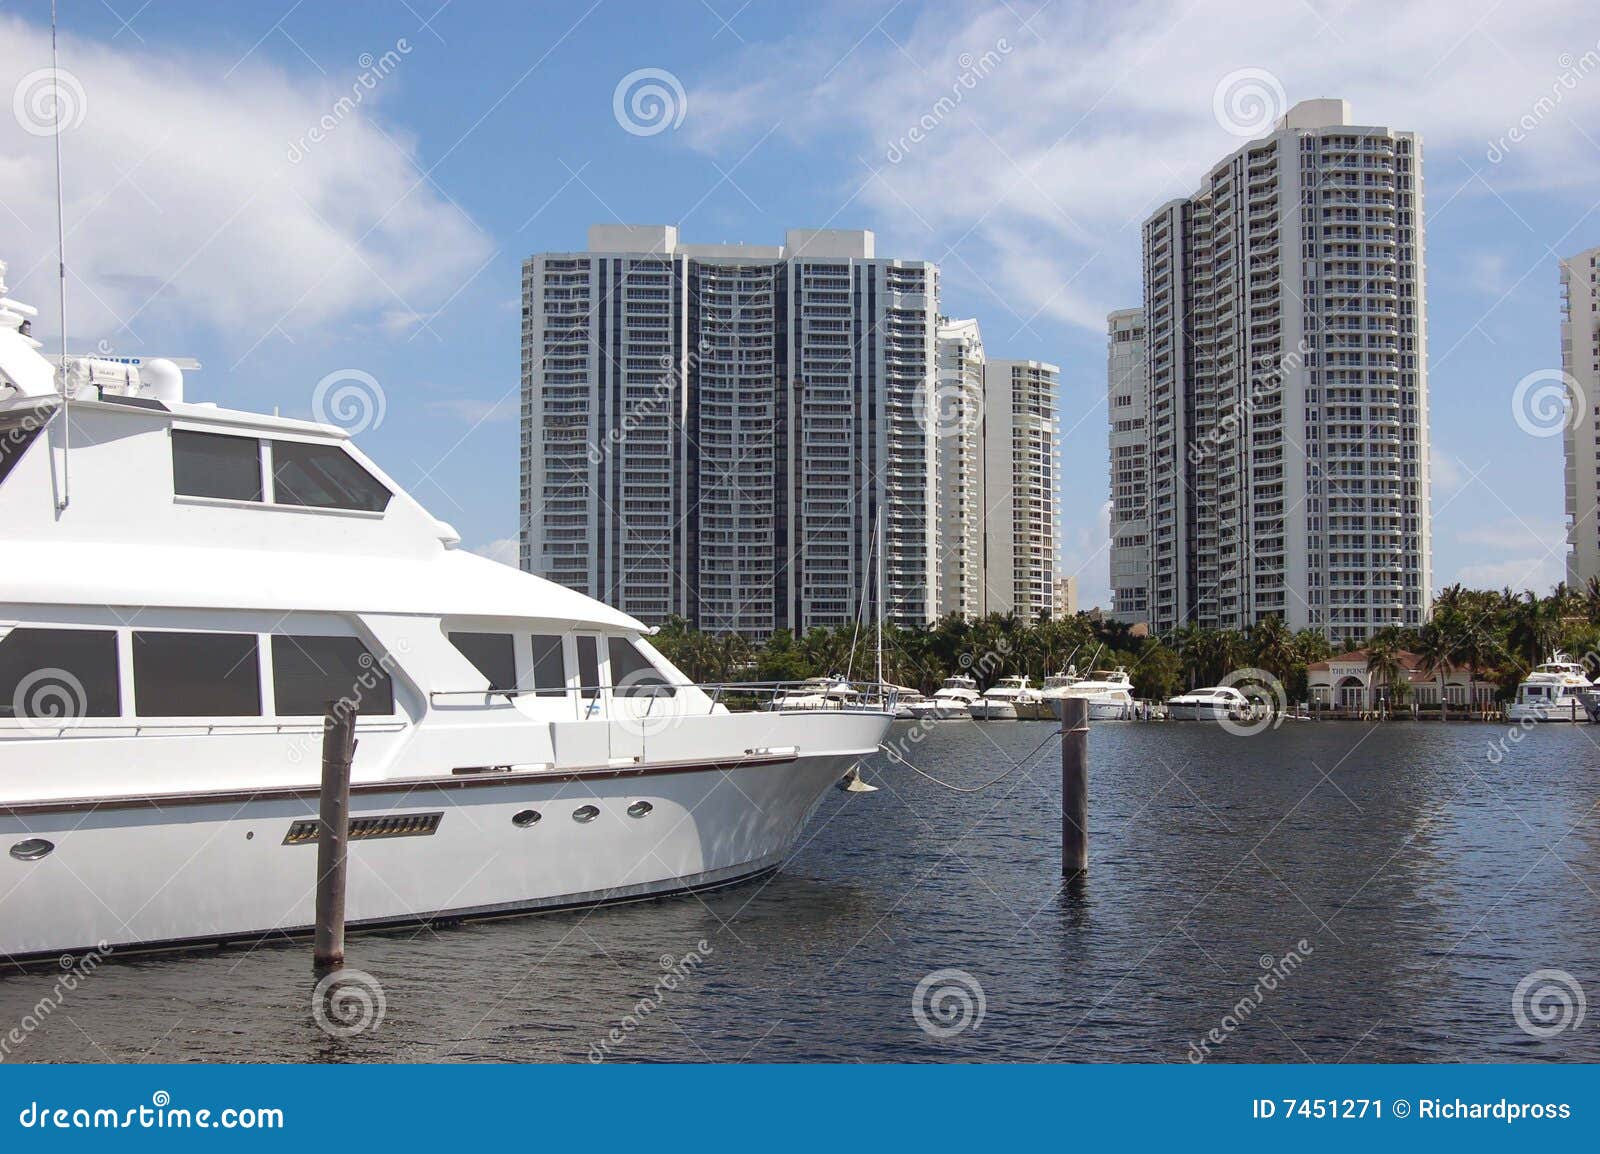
896, 755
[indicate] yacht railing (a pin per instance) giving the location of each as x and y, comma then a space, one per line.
591, 701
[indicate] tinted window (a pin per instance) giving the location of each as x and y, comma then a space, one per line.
632, 675
15, 437
309, 672
196, 675
494, 655
59, 673
589, 665
549, 666
323, 477
209, 465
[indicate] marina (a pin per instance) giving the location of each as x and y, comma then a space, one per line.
1426, 880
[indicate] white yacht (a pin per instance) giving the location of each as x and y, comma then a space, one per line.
1552, 692
1109, 692
1214, 703
950, 702
904, 701
819, 693
185, 587
1010, 699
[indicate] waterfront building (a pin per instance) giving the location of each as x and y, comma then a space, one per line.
1347, 682
712, 431
1021, 472
1580, 367
1127, 402
958, 416
1066, 597
1287, 414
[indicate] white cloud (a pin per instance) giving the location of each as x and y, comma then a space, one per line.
1516, 533
182, 202
1537, 573
503, 550
1528, 554
1040, 170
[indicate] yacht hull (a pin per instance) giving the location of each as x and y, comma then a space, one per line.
217, 870
993, 711
1570, 709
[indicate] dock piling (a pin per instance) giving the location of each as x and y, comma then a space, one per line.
333, 834
1074, 787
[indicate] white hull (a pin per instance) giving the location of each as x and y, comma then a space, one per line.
941, 711
993, 711
1570, 709
1100, 709
1203, 712
217, 870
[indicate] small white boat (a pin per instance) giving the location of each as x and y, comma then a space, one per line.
818, 693
1109, 692
1552, 692
1213, 703
902, 701
950, 702
1010, 699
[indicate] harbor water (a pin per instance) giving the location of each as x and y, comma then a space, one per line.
1395, 882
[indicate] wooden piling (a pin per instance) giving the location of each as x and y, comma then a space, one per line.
333, 833
1074, 787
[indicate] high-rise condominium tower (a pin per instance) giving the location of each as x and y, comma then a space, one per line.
998, 478
711, 431
1285, 320
1580, 363
1021, 473
1127, 399
958, 417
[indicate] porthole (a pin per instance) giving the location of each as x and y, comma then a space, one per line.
640, 809
525, 818
33, 849
585, 813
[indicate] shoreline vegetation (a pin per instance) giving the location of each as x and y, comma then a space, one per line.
1502, 635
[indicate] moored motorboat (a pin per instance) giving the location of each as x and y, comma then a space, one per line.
186, 587
1010, 699
1554, 691
1108, 691
1212, 703
950, 702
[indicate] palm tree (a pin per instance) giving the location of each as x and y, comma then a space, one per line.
1383, 664
1271, 642
1434, 647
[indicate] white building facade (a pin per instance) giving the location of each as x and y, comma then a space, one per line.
1580, 365
712, 431
1285, 317
1020, 463
958, 416
1127, 402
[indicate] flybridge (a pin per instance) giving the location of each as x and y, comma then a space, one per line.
28, 373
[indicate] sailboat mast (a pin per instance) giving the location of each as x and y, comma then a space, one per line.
880, 598
61, 266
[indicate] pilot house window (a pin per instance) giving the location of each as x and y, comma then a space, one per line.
323, 477
212, 465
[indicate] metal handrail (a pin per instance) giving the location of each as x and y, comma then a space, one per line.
865, 695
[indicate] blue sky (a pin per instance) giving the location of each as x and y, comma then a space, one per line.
206, 221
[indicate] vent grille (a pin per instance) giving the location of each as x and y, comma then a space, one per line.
370, 828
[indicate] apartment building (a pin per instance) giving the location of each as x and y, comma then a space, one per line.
1580, 365
1127, 400
1287, 415
712, 431
958, 426
1020, 466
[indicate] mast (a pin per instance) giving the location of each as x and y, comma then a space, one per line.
880, 598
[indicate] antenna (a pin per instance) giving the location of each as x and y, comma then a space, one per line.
61, 263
